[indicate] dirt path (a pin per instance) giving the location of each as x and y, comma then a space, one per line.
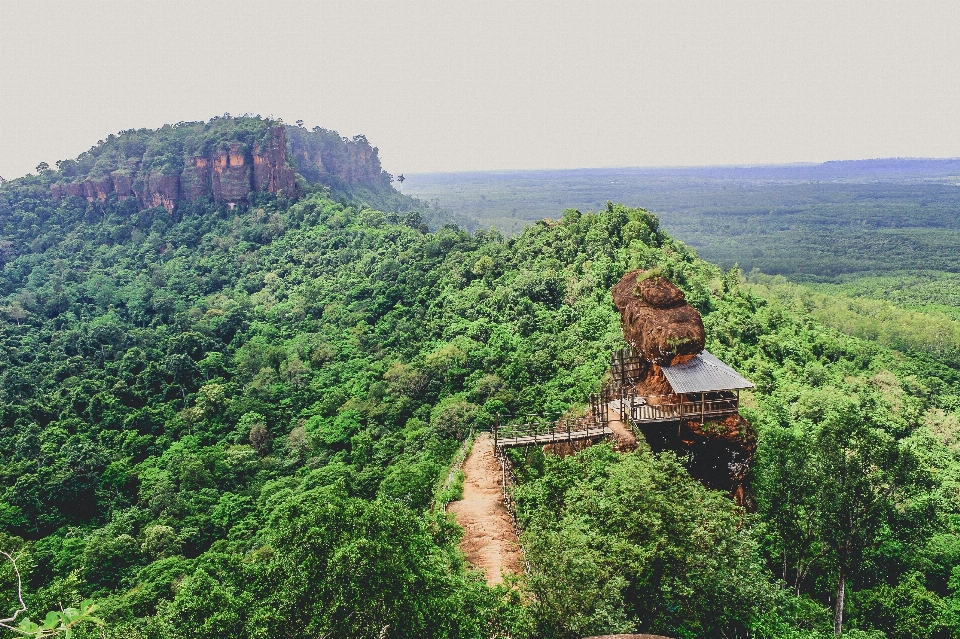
488, 539
621, 431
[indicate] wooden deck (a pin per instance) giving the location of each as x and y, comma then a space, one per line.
511, 431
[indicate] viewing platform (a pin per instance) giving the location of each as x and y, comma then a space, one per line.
706, 390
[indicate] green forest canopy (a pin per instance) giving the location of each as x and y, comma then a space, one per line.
221, 423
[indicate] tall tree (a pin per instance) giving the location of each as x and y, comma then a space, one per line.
863, 470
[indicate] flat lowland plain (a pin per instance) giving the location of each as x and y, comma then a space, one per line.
810, 223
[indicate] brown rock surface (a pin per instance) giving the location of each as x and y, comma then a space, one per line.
653, 384
229, 174
656, 319
195, 179
161, 189
122, 184
270, 170
98, 189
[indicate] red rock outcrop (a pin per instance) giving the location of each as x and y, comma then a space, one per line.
98, 189
195, 178
656, 319
270, 170
653, 385
122, 184
159, 189
323, 156
229, 175
69, 189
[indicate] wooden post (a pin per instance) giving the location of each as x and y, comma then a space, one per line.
503, 480
680, 423
703, 407
496, 427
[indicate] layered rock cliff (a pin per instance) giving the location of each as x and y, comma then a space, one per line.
322, 156
226, 160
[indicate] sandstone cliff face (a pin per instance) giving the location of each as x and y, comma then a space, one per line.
160, 189
323, 156
228, 175
122, 184
270, 170
231, 176
195, 178
226, 160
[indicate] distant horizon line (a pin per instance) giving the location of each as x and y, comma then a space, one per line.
758, 165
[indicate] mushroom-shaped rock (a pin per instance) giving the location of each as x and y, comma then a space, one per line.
656, 319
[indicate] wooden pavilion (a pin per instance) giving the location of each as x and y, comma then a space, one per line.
704, 388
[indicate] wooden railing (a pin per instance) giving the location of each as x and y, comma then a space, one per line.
626, 366
529, 430
671, 408
545, 431
601, 403
538, 430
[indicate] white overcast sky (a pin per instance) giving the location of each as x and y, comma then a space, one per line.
482, 85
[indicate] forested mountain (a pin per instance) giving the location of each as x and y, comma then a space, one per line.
223, 421
226, 160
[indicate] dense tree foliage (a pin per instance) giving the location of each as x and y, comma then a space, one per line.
228, 423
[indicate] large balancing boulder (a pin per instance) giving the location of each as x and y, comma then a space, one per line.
656, 319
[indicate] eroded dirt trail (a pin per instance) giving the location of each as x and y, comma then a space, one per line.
622, 433
489, 542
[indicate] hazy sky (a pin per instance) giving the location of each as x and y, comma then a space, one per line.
459, 85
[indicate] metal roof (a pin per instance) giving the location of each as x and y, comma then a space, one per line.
703, 373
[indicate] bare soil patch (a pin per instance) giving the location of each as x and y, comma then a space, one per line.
622, 433
489, 542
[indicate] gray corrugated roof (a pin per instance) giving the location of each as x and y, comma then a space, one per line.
704, 373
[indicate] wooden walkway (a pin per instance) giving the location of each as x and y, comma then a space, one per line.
552, 437
642, 411
534, 431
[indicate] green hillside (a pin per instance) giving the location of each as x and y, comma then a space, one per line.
223, 421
